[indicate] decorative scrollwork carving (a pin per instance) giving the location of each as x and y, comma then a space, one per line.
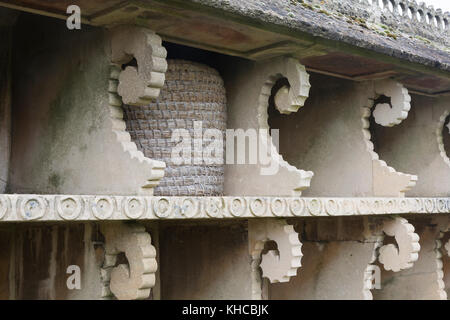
394, 113
138, 85
154, 168
276, 265
287, 100
290, 99
440, 138
402, 257
107, 207
386, 180
135, 280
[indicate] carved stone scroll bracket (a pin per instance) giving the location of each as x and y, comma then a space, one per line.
135, 280
287, 100
248, 102
276, 265
386, 114
443, 223
151, 171
139, 84
406, 252
290, 99
387, 182
440, 138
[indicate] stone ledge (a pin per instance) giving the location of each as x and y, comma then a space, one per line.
24, 207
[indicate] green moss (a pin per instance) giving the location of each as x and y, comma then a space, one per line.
55, 180
324, 12
390, 34
307, 6
423, 39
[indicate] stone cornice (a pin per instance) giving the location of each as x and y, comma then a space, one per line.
24, 207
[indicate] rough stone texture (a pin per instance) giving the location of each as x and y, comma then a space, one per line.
67, 118
315, 20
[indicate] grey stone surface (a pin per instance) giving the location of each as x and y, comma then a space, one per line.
355, 22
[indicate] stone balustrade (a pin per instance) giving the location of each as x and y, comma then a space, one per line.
405, 16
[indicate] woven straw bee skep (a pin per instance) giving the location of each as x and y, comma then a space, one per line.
192, 92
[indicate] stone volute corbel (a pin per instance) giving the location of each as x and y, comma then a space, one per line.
276, 265
389, 103
138, 66
403, 255
134, 280
140, 82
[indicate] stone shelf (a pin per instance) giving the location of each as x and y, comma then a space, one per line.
25, 207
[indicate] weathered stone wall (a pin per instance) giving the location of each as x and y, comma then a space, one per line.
335, 257
5, 103
60, 84
207, 261
325, 136
35, 258
413, 146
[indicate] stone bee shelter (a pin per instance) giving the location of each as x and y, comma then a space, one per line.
358, 209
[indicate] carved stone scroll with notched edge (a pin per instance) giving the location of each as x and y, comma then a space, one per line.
135, 280
276, 265
393, 257
139, 84
152, 170
403, 255
411, 275
406, 252
443, 225
386, 180
248, 106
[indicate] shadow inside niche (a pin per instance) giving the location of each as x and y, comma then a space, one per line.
446, 135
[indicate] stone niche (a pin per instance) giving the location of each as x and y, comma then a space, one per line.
325, 143
336, 254
340, 255
421, 144
205, 261
67, 121
427, 278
